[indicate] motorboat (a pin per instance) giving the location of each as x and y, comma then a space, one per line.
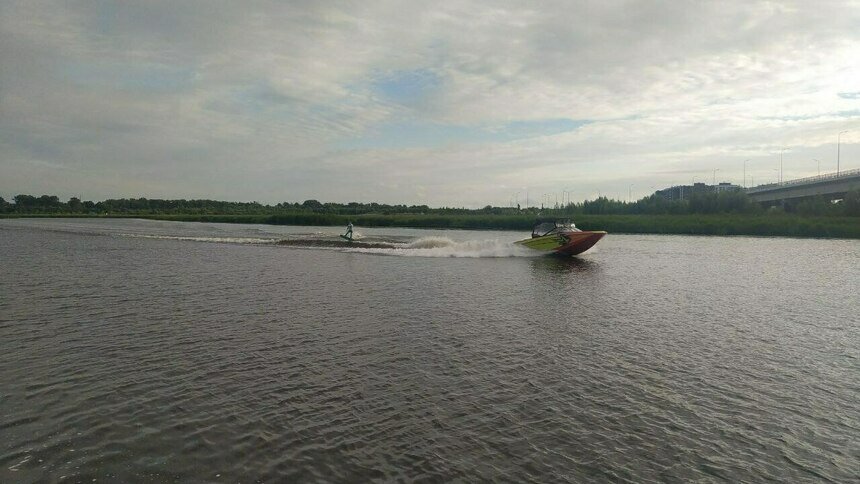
561, 237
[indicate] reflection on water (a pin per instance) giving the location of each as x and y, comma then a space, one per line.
559, 264
155, 351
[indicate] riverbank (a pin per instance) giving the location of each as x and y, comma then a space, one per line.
777, 224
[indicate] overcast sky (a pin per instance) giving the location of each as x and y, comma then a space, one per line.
456, 103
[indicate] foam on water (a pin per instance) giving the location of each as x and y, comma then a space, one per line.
431, 246
430, 243
445, 247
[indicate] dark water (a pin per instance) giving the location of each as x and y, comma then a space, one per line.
153, 351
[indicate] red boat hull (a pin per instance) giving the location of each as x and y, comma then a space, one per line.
579, 242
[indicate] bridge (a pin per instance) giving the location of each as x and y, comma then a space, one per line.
832, 185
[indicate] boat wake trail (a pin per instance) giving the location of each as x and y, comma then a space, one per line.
422, 247
308, 243
445, 247
380, 244
397, 246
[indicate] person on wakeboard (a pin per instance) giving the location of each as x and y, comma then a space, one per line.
348, 234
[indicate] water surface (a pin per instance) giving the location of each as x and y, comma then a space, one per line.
135, 350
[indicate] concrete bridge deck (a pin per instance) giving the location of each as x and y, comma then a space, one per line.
830, 185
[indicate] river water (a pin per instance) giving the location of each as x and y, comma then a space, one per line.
135, 350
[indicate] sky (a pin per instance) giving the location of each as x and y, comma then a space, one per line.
444, 103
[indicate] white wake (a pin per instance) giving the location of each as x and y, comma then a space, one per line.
445, 247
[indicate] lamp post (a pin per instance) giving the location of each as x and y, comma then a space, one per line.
819, 166
780, 162
715, 178
837, 151
745, 172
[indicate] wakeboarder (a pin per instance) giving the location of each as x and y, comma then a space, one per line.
348, 234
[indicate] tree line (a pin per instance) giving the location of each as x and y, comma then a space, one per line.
51, 204
697, 203
730, 202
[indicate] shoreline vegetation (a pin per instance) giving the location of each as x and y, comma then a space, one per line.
707, 214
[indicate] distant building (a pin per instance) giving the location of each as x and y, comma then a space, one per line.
683, 192
725, 187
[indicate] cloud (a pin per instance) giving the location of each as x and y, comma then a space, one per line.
407, 87
450, 103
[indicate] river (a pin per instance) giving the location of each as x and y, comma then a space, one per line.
135, 350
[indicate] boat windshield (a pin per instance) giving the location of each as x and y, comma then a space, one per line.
545, 228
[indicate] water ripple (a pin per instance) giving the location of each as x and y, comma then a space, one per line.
170, 356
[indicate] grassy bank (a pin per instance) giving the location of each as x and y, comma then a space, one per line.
787, 225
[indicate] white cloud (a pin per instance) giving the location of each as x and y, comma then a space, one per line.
254, 100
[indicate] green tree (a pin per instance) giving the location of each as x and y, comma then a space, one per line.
49, 202
852, 203
24, 203
312, 204
75, 204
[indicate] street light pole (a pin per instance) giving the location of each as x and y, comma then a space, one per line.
837, 151
745, 172
819, 166
715, 178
